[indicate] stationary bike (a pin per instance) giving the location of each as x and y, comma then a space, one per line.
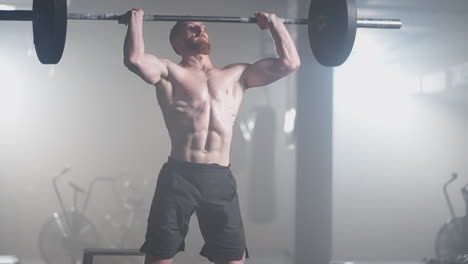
68, 232
451, 244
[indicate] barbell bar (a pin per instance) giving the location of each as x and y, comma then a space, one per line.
361, 23
331, 24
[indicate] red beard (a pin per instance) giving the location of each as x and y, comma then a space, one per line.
199, 45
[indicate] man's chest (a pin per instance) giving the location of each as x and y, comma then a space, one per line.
206, 87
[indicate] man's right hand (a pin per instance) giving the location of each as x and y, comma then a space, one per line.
125, 18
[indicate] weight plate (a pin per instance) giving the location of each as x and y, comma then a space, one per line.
49, 29
332, 30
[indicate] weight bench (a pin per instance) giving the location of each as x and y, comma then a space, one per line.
89, 253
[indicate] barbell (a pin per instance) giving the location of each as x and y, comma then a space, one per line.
331, 24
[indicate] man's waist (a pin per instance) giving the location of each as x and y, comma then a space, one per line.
198, 156
193, 164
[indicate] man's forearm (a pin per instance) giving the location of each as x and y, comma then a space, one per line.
134, 46
284, 44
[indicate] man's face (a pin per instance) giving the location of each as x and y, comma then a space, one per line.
195, 39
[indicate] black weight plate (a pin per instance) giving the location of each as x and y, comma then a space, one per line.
332, 30
49, 29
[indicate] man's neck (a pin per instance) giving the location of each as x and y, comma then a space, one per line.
200, 61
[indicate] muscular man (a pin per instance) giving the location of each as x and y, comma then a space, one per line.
199, 103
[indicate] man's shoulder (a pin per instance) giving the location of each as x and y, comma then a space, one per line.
236, 66
172, 67
168, 62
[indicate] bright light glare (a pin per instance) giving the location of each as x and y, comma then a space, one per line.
367, 87
366, 49
8, 259
377, 91
7, 7
289, 119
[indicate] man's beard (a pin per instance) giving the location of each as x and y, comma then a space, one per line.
199, 46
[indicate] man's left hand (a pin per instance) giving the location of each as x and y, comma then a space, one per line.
264, 19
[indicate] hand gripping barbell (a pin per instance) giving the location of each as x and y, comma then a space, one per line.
331, 26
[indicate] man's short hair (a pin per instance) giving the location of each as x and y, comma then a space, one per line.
175, 31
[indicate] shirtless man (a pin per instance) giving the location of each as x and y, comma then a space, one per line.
199, 103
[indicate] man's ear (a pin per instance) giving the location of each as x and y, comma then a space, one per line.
177, 45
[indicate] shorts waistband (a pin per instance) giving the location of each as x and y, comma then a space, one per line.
194, 165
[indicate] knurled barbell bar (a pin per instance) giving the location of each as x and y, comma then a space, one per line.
331, 24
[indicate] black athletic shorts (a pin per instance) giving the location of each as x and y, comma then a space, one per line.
210, 191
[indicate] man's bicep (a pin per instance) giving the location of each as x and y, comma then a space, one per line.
260, 73
150, 68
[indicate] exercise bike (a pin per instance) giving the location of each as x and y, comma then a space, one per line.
68, 232
451, 243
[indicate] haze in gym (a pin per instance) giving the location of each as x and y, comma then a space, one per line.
335, 165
